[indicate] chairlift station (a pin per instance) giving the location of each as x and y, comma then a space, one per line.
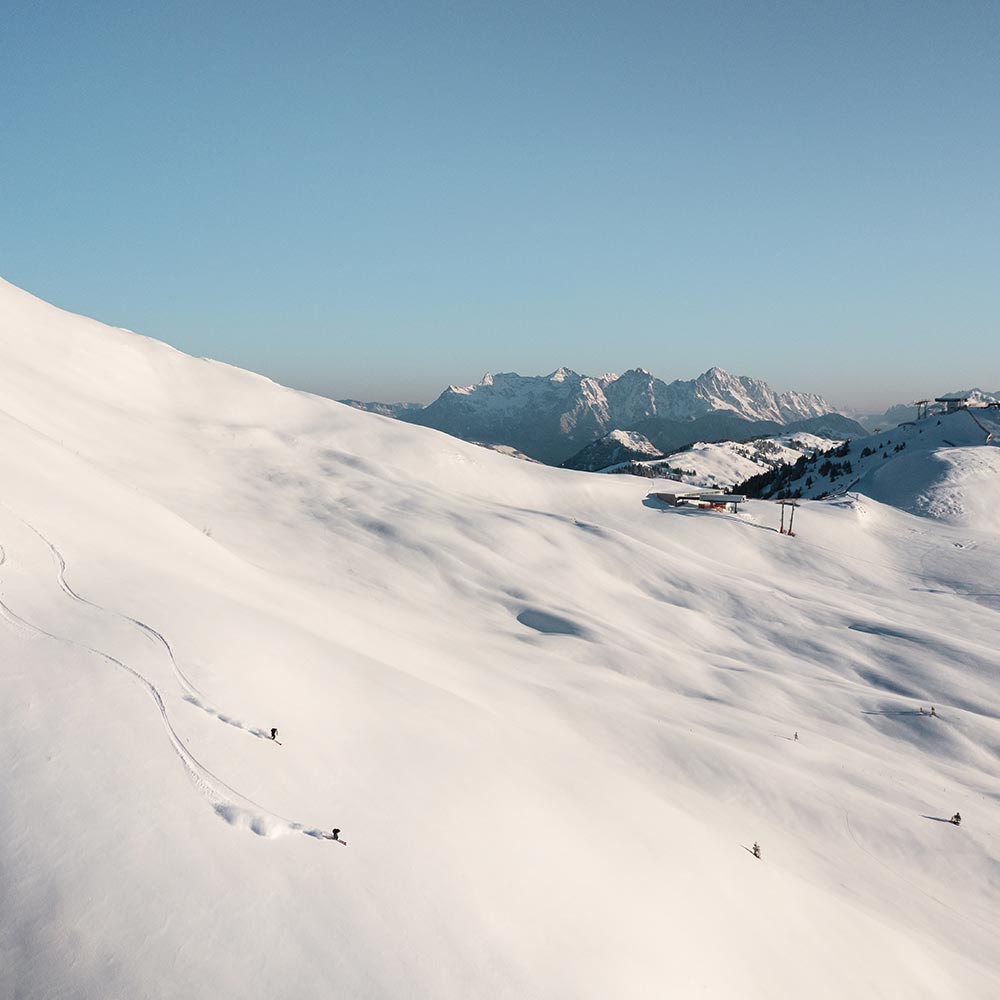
703, 499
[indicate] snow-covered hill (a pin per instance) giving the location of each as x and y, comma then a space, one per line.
737, 436
915, 466
723, 463
550, 715
613, 449
551, 417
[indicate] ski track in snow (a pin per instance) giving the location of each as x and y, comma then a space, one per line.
236, 809
191, 693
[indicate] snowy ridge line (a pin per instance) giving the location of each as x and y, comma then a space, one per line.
191, 693
235, 808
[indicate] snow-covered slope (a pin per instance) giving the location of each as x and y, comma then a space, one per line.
723, 463
957, 484
916, 466
551, 417
548, 714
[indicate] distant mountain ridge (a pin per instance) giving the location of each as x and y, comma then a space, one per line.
397, 410
551, 417
901, 412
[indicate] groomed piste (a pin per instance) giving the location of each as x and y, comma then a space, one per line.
550, 719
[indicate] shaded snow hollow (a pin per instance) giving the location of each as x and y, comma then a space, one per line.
548, 717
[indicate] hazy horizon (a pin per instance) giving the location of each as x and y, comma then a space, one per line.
378, 386
874, 406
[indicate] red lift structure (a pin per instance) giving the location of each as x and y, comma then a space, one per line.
792, 504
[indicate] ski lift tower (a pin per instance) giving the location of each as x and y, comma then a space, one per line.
791, 504
921, 405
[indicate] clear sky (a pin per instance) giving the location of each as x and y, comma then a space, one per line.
376, 199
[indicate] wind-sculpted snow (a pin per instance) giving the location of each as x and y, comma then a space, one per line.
550, 715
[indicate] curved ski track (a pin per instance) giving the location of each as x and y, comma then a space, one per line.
191, 693
235, 808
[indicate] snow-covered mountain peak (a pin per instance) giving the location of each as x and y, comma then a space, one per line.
751, 398
631, 439
976, 397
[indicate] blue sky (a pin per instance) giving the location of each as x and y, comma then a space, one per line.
376, 199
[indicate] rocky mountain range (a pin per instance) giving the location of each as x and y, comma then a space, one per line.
551, 417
